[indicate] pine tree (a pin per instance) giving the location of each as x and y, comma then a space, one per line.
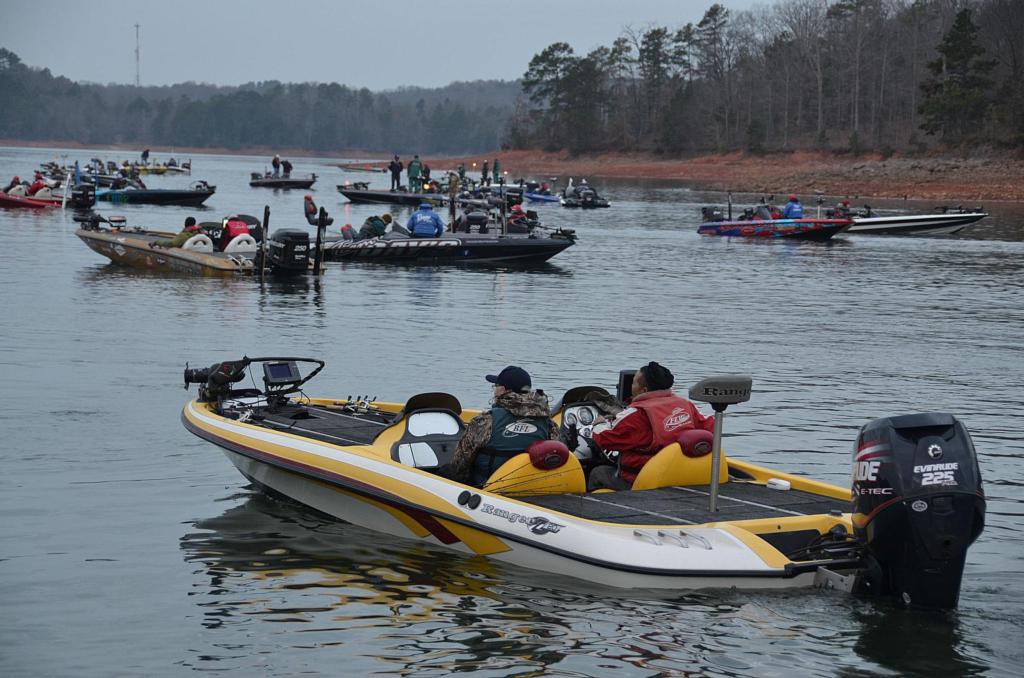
957, 95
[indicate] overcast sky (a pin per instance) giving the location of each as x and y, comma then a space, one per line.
379, 44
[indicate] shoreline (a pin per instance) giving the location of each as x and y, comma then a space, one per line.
946, 177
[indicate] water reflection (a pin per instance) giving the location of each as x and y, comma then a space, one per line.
320, 586
937, 647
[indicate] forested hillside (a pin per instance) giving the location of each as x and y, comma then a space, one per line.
843, 75
460, 118
854, 75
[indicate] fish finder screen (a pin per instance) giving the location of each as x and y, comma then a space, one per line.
281, 373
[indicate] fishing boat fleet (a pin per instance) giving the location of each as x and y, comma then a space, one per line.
694, 517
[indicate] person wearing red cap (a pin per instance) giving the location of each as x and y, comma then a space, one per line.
518, 418
793, 209
16, 181
654, 419
517, 217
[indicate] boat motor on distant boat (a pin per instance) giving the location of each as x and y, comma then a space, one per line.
693, 518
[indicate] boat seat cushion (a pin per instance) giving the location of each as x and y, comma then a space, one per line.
200, 242
672, 467
242, 242
429, 440
521, 477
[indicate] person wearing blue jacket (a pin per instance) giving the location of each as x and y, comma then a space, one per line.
794, 209
424, 223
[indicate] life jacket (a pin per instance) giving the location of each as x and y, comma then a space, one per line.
793, 210
669, 415
36, 186
236, 227
510, 435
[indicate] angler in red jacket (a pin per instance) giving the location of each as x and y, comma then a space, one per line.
654, 419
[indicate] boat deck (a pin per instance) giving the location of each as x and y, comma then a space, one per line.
737, 500
328, 425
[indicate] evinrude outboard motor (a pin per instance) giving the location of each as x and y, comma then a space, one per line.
289, 250
711, 214
917, 505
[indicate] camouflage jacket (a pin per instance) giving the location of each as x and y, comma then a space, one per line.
478, 432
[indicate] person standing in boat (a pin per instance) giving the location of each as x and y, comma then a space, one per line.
396, 167
286, 168
276, 164
653, 419
794, 209
415, 173
145, 157
462, 172
424, 223
497, 172
485, 175
518, 418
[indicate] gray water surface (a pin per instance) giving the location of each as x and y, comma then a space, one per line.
129, 547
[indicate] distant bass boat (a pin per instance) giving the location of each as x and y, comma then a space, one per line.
359, 193
794, 229
693, 519
230, 247
194, 196
286, 182
82, 196
945, 221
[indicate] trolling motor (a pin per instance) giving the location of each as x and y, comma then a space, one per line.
720, 392
281, 377
215, 381
918, 504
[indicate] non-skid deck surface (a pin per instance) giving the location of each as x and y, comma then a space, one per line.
328, 424
689, 505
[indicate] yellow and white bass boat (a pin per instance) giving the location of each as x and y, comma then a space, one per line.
902, 531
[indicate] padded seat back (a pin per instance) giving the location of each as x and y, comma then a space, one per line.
242, 242
200, 242
430, 438
518, 477
671, 467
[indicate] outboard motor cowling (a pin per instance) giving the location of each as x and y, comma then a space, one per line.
288, 250
918, 504
711, 214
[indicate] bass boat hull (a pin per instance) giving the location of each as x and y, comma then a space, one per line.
461, 249
794, 229
921, 224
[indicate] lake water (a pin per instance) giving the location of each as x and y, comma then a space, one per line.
128, 547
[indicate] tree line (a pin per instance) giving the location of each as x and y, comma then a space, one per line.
464, 117
847, 75
844, 75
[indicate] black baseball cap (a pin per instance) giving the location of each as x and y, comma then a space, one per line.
512, 378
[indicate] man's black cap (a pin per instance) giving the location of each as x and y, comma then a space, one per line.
512, 378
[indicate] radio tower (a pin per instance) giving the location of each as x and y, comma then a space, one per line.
137, 82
